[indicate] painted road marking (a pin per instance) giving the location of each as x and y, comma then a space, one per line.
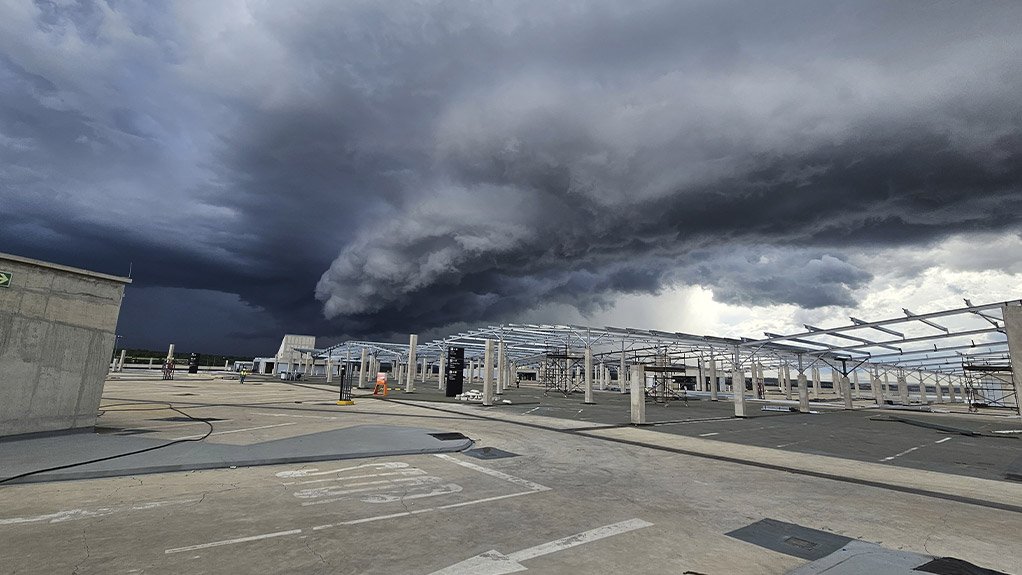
72, 514
294, 415
943, 440
496, 563
234, 431
533, 488
493, 473
313, 472
708, 434
909, 450
232, 541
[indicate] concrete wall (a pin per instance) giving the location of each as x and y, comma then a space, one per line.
56, 339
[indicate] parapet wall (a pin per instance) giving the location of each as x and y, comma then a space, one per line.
56, 338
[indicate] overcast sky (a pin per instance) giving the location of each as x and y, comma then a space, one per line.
370, 169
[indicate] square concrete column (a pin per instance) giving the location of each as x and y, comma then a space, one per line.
816, 383
622, 372
410, 381
714, 384
1013, 329
922, 388
887, 383
738, 387
878, 390
903, 388
441, 379
937, 388
846, 389
501, 368
603, 376
422, 376
488, 374
589, 374
701, 375
787, 382
329, 371
363, 377
638, 397
855, 380
803, 394
951, 389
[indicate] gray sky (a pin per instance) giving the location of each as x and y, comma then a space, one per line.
368, 169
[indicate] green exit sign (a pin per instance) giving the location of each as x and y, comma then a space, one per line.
5, 279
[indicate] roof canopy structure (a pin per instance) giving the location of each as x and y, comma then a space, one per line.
947, 342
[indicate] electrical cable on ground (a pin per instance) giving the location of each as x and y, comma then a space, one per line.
109, 457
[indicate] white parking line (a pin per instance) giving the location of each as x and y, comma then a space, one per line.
231, 541
494, 473
234, 431
943, 440
708, 434
909, 450
72, 514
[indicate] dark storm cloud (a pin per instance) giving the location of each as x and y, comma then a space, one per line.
411, 166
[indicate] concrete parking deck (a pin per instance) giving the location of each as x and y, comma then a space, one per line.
572, 496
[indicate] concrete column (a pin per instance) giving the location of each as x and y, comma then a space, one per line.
878, 390
855, 379
488, 374
787, 383
422, 376
589, 374
847, 390
922, 388
329, 370
887, 383
362, 375
120, 364
621, 381
638, 395
413, 340
441, 384
951, 388
816, 383
738, 385
714, 383
170, 352
937, 388
803, 394
903, 388
701, 378
501, 368
1013, 329
151, 363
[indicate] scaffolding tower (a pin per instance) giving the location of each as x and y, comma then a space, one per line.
559, 372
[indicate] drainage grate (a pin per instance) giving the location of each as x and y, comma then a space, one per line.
490, 453
448, 436
800, 543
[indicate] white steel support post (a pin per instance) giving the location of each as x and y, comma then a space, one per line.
738, 384
714, 384
589, 375
1013, 329
501, 368
488, 374
638, 397
413, 339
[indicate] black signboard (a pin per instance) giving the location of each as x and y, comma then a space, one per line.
454, 377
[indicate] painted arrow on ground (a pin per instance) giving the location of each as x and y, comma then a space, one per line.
496, 563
